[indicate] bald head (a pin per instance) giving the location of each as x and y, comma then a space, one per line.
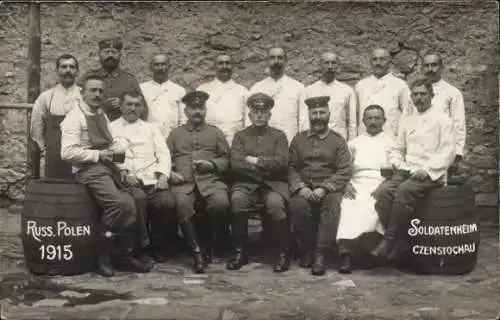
380, 61
328, 66
223, 67
160, 65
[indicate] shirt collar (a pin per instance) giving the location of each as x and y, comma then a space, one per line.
323, 83
383, 78
69, 89
190, 127
164, 84
227, 83
322, 136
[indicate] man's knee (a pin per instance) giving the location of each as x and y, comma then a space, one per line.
218, 203
408, 192
185, 206
165, 200
275, 205
240, 202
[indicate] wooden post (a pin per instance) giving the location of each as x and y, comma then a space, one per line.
34, 50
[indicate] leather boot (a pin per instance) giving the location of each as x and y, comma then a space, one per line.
318, 267
190, 235
345, 263
306, 259
104, 248
382, 251
239, 226
282, 233
126, 260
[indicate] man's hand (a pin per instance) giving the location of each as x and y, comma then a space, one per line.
420, 174
203, 166
105, 155
176, 178
114, 102
162, 183
306, 193
251, 160
133, 180
318, 194
350, 192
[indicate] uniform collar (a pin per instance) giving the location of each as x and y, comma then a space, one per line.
260, 131
322, 136
190, 127
113, 74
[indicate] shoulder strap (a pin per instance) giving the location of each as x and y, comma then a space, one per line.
50, 101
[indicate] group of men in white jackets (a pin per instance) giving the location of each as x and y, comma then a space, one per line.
417, 131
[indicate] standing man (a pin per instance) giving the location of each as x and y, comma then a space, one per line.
148, 159
320, 168
384, 89
424, 149
200, 157
163, 96
88, 144
259, 162
226, 107
49, 110
342, 102
286, 92
116, 80
449, 99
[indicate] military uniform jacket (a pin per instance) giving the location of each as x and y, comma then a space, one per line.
116, 83
205, 142
270, 146
319, 160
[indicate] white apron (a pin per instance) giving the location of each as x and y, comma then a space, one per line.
358, 216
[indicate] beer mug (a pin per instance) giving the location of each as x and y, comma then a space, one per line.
386, 170
119, 157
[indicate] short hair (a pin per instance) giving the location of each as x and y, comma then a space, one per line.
131, 93
374, 107
432, 53
91, 76
422, 82
278, 47
66, 56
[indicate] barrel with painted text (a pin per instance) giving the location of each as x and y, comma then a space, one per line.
444, 236
57, 228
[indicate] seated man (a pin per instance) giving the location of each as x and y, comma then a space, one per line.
200, 156
320, 168
147, 159
369, 154
423, 151
87, 143
259, 162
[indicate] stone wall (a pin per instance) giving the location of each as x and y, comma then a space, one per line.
193, 33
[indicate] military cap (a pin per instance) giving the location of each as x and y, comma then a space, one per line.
195, 98
316, 102
111, 43
260, 101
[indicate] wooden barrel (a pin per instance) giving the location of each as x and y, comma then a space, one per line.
444, 239
58, 225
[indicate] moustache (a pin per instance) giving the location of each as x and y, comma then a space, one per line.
319, 121
276, 65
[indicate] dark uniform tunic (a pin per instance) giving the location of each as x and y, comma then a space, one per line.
205, 142
267, 179
116, 83
318, 160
